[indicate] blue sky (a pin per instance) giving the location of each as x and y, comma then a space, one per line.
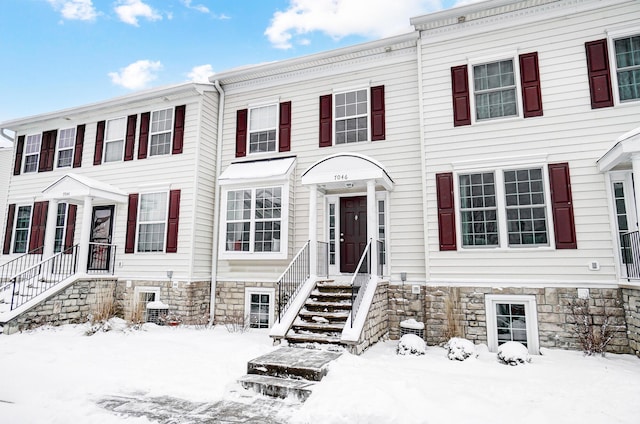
58, 54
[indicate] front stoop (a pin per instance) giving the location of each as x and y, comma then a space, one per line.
287, 372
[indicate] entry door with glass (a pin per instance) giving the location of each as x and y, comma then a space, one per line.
100, 240
353, 231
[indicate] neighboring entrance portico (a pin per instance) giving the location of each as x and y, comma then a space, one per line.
347, 175
78, 190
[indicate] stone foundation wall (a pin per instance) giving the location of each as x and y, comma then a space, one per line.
230, 300
72, 305
377, 323
631, 302
189, 301
460, 311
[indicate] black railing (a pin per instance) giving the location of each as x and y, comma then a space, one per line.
360, 280
102, 258
630, 254
292, 279
18, 264
29, 283
322, 267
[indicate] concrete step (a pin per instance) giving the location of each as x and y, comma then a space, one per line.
307, 337
277, 387
329, 316
317, 294
327, 306
290, 362
318, 326
333, 287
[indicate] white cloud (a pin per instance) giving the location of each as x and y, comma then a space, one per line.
340, 18
200, 73
130, 10
81, 10
137, 75
198, 7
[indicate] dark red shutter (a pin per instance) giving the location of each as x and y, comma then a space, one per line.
241, 133
326, 124
143, 141
17, 166
284, 142
77, 151
172, 222
132, 220
130, 139
530, 81
8, 232
178, 129
446, 211
71, 228
460, 94
599, 75
562, 206
47, 150
97, 155
377, 114
38, 225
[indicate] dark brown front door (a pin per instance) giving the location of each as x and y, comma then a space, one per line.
353, 231
100, 241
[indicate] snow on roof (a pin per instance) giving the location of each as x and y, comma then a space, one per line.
259, 169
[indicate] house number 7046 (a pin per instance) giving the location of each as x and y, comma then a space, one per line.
339, 177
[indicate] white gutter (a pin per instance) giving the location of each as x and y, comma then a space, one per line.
6, 136
216, 200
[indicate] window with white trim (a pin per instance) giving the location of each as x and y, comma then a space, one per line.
627, 61
332, 233
259, 306
32, 152
382, 232
65, 145
351, 114
22, 228
152, 222
263, 124
504, 205
61, 220
254, 220
494, 87
512, 318
114, 139
161, 131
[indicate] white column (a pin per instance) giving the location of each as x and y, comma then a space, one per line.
635, 163
372, 227
313, 230
50, 229
85, 234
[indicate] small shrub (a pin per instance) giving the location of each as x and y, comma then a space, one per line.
459, 349
236, 323
593, 338
513, 353
410, 344
171, 318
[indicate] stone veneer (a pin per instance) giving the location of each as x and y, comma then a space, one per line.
466, 306
377, 323
631, 302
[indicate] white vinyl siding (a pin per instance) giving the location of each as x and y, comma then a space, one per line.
64, 147
32, 153
114, 140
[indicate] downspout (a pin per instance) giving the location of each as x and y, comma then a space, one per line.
216, 206
423, 161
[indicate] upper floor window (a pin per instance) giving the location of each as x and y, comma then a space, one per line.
351, 117
263, 123
32, 152
66, 141
627, 51
161, 132
152, 219
22, 227
495, 90
114, 139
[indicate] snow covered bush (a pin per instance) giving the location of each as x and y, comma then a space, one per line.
460, 349
513, 353
410, 344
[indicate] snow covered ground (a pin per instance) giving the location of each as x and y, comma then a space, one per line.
58, 375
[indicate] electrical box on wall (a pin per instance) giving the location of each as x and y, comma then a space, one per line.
583, 293
415, 289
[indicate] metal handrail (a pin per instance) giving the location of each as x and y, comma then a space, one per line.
42, 276
360, 280
630, 254
292, 278
20, 263
102, 254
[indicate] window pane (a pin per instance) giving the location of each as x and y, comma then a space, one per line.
526, 210
350, 112
23, 222
478, 214
113, 151
495, 91
153, 207
628, 67
115, 129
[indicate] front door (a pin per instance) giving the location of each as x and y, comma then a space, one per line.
100, 240
353, 231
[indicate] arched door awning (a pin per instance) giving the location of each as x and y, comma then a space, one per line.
346, 170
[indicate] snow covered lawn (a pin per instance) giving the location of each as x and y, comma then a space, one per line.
57, 375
